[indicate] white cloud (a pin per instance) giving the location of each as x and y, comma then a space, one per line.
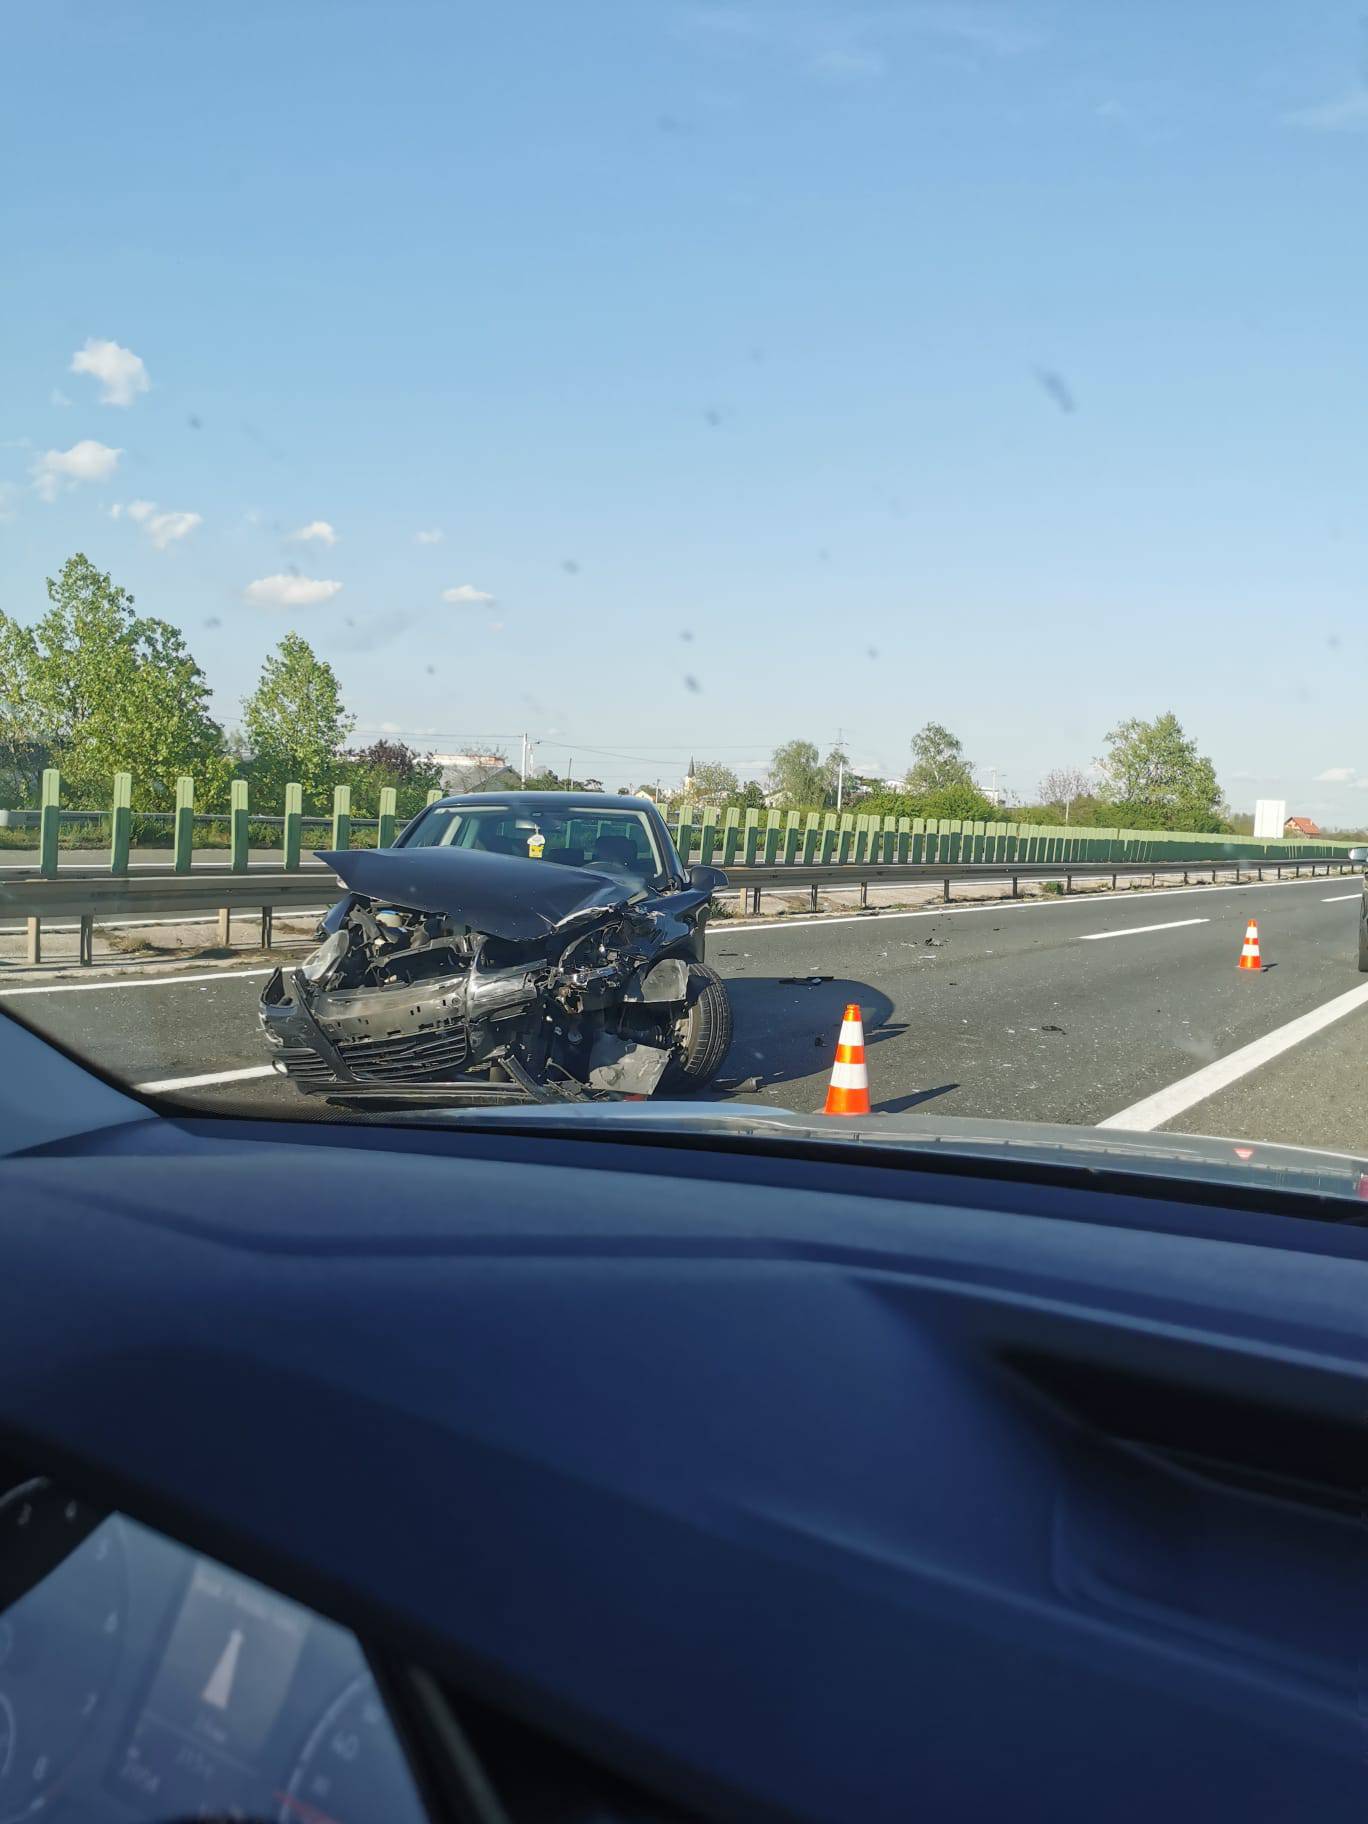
318, 531
162, 528
165, 528
466, 595
120, 372
1346, 114
9, 500
290, 591
1336, 775
84, 461
58, 397
433, 536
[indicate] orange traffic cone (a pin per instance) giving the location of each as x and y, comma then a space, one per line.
1249, 956
849, 1091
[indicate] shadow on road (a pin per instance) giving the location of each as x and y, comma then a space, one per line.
899, 1105
786, 1033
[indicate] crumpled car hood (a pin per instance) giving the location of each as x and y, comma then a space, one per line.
501, 895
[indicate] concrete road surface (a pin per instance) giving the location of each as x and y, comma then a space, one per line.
1069, 1010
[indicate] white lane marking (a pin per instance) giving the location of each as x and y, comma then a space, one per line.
160, 981
715, 929
1175, 924
1335, 898
1166, 1104
221, 1076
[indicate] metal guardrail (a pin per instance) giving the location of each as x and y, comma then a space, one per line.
91, 897
863, 875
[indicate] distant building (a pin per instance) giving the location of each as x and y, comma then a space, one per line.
1301, 826
472, 772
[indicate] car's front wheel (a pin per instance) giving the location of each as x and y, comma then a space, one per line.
703, 1033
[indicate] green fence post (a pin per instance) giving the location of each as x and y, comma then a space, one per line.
389, 816
120, 823
434, 795
772, 834
752, 836
707, 837
239, 852
683, 839
793, 830
341, 822
49, 820
183, 825
812, 836
731, 835
293, 827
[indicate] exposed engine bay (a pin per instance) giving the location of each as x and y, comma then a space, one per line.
577, 989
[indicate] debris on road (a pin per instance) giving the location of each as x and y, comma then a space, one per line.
1052, 1029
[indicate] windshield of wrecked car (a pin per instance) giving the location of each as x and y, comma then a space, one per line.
617, 843
879, 484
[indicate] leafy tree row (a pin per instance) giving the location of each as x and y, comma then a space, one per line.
94, 688
1151, 777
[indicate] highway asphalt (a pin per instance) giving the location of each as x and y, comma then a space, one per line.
1068, 1010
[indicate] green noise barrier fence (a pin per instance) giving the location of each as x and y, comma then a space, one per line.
721, 838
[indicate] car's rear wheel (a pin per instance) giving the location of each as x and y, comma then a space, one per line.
703, 1033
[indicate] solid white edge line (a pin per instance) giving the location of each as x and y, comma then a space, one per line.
161, 981
1094, 937
1334, 899
222, 1076
1143, 1117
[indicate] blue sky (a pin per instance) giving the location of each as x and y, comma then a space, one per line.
771, 368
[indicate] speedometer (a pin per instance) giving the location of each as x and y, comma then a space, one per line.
63, 1608
351, 1770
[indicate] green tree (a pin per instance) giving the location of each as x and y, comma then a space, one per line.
296, 723
100, 689
369, 770
938, 761
715, 783
798, 775
966, 802
1156, 778
1063, 787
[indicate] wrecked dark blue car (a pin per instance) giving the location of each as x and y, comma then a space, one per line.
543, 946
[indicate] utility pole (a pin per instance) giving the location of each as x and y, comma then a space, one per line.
840, 770
524, 759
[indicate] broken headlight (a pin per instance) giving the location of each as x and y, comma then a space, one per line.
325, 959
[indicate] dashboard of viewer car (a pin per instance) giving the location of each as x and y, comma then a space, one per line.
781, 1480
143, 1681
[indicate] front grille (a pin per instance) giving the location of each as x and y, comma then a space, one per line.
304, 1064
417, 1057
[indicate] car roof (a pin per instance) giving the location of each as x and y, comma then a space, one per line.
547, 801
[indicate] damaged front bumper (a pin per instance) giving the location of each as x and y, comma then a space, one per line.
363, 1041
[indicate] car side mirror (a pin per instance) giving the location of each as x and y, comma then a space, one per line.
706, 880
1358, 854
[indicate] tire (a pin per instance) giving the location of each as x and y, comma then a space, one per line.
1363, 936
705, 1032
